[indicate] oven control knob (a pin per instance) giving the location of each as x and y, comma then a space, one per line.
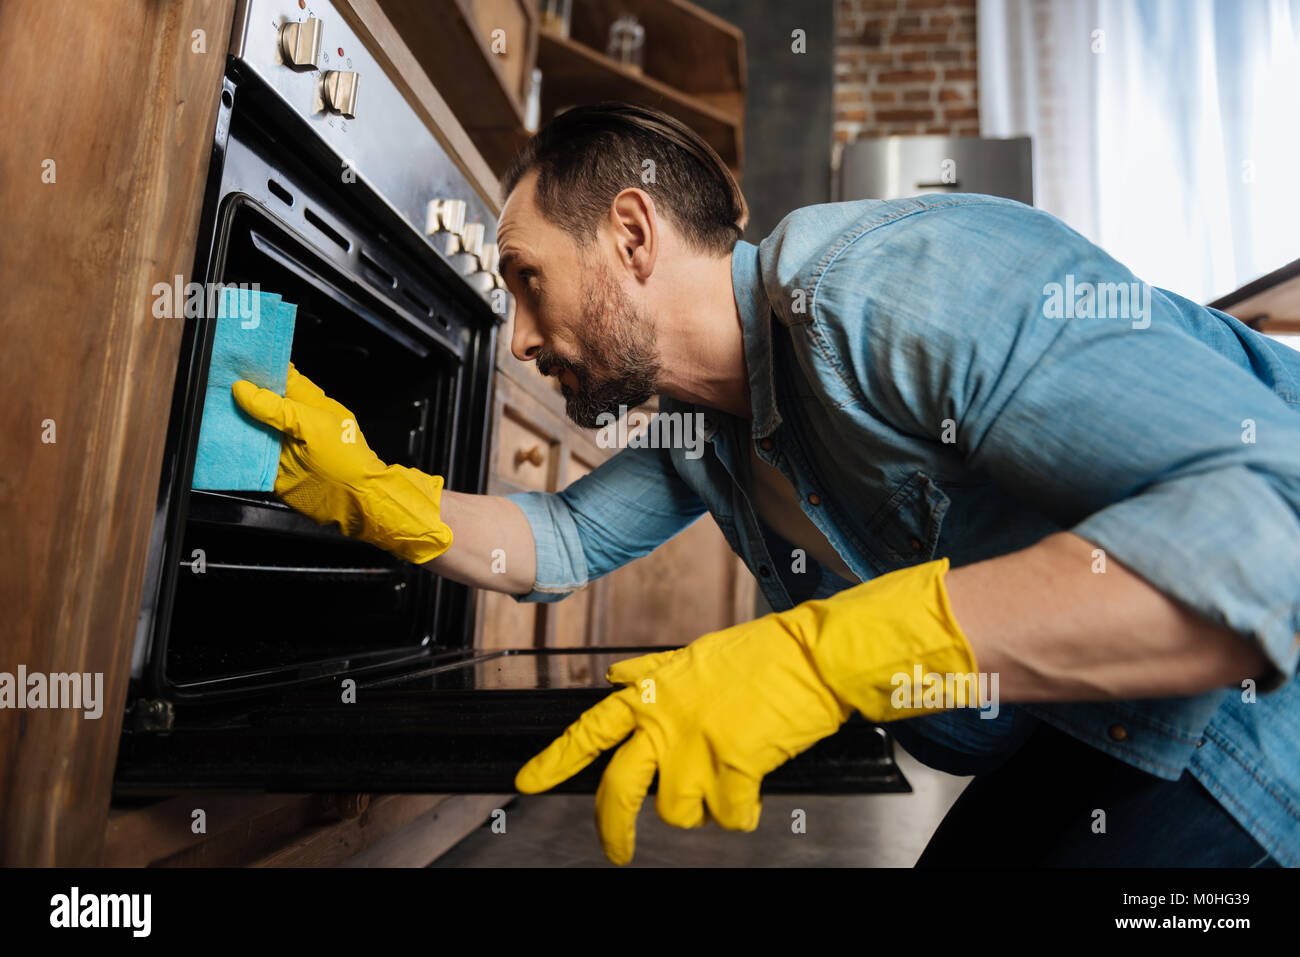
487, 278
340, 91
300, 43
491, 260
471, 239
444, 222
471, 245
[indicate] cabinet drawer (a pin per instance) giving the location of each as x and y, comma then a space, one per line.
575, 616
525, 453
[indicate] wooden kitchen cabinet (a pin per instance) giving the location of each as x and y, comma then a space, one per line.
526, 456
579, 618
692, 585
100, 188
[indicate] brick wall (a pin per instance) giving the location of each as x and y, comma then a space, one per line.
904, 67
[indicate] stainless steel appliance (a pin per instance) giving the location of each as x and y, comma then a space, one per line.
289, 657
891, 167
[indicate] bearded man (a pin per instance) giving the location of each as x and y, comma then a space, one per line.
1099, 506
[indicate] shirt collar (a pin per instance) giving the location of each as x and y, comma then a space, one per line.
756, 329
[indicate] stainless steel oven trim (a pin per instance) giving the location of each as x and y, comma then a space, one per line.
387, 145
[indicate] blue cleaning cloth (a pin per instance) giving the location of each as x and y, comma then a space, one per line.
254, 336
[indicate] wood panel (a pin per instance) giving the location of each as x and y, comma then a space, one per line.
433, 833
396, 830
517, 22
691, 585
445, 37
124, 105
525, 454
240, 824
575, 616
294, 830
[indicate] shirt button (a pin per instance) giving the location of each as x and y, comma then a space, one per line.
1117, 732
765, 445
814, 499
764, 570
916, 545
1200, 743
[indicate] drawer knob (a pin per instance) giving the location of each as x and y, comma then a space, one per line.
533, 455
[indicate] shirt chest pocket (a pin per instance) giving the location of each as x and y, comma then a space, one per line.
905, 530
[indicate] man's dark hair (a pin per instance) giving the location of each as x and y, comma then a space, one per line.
588, 155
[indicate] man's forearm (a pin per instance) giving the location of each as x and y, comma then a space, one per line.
492, 543
1056, 630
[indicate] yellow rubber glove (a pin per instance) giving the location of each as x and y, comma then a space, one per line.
328, 472
716, 716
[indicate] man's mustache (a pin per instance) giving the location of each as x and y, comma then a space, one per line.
548, 364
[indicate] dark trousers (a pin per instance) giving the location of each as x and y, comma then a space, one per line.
1037, 810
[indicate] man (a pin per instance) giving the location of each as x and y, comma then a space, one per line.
950, 437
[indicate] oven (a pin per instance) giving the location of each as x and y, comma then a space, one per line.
273, 653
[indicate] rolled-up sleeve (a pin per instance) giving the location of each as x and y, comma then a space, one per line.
1193, 462
620, 511
1178, 459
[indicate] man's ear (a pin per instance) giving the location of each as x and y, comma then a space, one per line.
635, 224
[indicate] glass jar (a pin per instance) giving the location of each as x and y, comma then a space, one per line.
556, 15
627, 42
533, 103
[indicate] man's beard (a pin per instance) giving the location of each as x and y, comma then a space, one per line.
617, 365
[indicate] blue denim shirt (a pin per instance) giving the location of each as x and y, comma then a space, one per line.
934, 373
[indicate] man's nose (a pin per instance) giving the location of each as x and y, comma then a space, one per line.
526, 341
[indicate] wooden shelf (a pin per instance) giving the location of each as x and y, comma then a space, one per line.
694, 66
377, 32
686, 47
450, 40
574, 74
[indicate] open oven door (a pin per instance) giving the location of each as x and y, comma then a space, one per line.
465, 723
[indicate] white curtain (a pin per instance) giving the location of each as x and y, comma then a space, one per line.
1166, 131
